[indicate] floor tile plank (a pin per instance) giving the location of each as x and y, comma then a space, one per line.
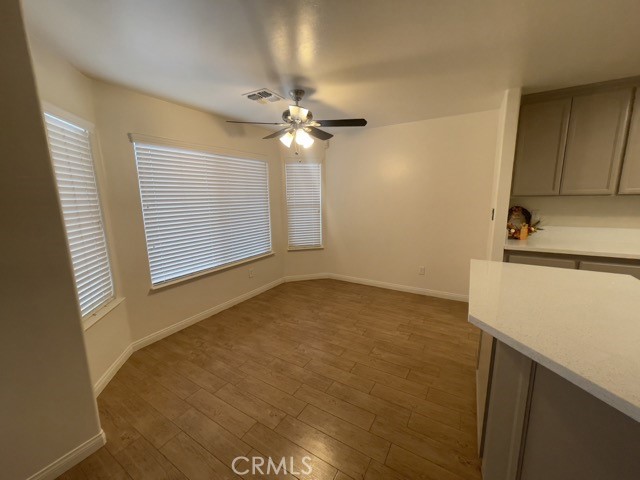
371, 445
325, 447
341, 409
221, 412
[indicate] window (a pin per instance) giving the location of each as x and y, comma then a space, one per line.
201, 211
304, 204
70, 147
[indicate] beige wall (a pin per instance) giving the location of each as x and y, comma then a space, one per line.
621, 211
408, 195
60, 83
47, 406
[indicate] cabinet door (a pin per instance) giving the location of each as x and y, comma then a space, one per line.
630, 179
542, 133
633, 270
543, 261
571, 434
595, 142
483, 378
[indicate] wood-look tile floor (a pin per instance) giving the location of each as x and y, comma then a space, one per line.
368, 383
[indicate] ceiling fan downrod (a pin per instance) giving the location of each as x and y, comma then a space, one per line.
296, 95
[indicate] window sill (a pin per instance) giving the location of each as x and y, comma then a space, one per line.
304, 249
96, 316
188, 278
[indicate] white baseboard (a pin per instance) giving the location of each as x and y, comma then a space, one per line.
171, 329
310, 276
402, 288
71, 458
112, 370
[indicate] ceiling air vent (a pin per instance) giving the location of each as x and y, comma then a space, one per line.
264, 95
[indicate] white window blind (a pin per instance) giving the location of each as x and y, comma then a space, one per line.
70, 148
201, 211
304, 204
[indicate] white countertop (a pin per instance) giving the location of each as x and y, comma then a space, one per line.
582, 325
599, 242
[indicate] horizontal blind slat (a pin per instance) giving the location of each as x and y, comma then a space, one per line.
304, 204
201, 211
70, 148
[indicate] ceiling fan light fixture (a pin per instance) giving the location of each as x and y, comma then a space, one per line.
298, 113
287, 139
303, 138
299, 124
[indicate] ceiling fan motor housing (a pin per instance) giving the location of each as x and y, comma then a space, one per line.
296, 95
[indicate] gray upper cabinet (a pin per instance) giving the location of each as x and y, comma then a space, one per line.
542, 134
630, 179
595, 142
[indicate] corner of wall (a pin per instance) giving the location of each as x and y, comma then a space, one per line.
503, 170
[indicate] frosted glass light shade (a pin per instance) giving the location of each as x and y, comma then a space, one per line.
299, 113
286, 139
303, 138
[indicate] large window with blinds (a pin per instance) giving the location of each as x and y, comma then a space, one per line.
202, 211
304, 205
71, 153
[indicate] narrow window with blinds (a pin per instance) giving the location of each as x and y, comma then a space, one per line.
202, 211
70, 147
304, 204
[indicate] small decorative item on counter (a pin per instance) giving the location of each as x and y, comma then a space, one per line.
519, 225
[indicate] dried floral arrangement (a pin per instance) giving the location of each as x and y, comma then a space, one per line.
519, 224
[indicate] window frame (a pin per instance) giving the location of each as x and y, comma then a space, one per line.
314, 161
100, 311
171, 143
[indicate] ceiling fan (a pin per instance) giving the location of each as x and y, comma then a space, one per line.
300, 126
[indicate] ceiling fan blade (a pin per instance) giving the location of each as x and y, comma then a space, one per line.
276, 134
347, 122
255, 123
319, 134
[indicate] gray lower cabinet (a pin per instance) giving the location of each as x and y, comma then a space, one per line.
611, 267
595, 142
505, 413
483, 374
594, 264
540, 426
630, 178
542, 133
542, 261
572, 434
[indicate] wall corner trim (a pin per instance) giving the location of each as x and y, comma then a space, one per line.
71, 458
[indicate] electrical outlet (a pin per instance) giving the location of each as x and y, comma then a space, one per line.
421, 270
251, 274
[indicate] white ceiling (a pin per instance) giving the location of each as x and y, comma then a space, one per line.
390, 61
